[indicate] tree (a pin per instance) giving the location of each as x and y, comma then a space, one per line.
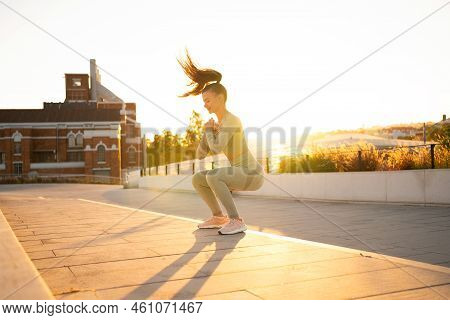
440, 133
168, 147
194, 131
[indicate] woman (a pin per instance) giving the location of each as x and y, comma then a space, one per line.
226, 136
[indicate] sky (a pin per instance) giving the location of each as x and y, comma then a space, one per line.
272, 54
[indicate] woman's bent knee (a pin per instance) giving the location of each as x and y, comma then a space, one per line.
254, 183
259, 183
197, 178
212, 177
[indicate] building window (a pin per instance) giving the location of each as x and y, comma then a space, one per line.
76, 82
43, 156
71, 141
17, 138
75, 141
18, 169
17, 147
75, 156
132, 155
79, 140
2, 157
101, 150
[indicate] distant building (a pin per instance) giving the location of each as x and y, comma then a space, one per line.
93, 132
400, 132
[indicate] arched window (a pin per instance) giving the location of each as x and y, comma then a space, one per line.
101, 150
132, 154
17, 138
71, 140
79, 140
17, 147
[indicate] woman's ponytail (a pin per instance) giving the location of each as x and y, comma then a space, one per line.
200, 78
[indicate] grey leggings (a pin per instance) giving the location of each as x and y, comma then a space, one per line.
218, 182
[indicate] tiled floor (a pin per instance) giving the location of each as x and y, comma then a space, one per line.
105, 249
418, 233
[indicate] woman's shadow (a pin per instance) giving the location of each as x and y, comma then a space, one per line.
223, 243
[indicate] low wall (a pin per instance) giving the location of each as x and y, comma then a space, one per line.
18, 277
429, 186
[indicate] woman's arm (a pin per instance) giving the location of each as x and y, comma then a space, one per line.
218, 142
202, 149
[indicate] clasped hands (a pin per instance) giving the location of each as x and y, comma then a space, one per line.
211, 124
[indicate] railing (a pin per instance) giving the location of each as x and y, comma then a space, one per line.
271, 164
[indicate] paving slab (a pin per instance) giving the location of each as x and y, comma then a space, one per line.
390, 229
90, 249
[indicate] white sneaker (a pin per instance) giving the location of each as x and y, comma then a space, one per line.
234, 226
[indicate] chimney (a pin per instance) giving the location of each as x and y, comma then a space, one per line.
444, 117
95, 78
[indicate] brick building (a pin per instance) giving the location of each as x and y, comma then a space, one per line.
91, 133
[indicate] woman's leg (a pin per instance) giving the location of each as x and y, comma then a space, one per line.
201, 185
221, 180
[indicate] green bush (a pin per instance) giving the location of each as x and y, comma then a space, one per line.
347, 159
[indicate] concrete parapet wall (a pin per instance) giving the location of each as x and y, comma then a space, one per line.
428, 186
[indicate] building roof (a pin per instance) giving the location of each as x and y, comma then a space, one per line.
104, 94
60, 112
441, 123
446, 122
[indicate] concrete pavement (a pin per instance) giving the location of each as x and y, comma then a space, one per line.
87, 241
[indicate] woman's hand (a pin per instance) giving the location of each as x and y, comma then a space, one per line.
210, 124
216, 127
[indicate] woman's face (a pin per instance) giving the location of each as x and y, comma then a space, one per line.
212, 101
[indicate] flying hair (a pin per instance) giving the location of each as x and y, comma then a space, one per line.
201, 80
